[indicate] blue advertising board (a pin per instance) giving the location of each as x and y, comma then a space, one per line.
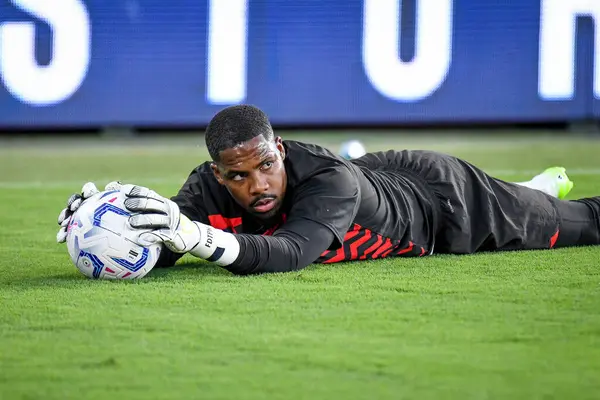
154, 62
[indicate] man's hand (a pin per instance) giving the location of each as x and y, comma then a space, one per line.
163, 217
175, 230
73, 204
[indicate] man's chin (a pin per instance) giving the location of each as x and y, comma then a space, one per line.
266, 215
272, 213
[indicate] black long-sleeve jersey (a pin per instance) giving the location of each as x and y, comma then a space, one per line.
334, 210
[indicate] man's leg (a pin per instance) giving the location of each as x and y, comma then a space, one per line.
505, 216
482, 213
487, 214
579, 222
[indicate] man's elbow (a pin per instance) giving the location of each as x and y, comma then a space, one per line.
270, 267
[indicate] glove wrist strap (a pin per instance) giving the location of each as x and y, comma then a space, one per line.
216, 245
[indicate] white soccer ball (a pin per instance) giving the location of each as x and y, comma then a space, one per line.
102, 244
352, 149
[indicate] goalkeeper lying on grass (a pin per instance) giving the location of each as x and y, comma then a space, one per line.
268, 205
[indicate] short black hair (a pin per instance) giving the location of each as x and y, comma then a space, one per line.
234, 125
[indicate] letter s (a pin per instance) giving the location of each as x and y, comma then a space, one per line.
56, 82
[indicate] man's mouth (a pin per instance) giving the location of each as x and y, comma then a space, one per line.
264, 205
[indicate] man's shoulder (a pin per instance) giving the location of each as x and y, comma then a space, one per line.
311, 156
303, 149
204, 169
202, 173
315, 170
305, 159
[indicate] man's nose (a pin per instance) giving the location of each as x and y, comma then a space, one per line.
259, 185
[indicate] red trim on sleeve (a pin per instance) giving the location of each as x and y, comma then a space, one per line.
226, 224
361, 244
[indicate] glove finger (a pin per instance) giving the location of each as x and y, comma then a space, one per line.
65, 214
72, 198
140, 191
66, 222
114, 185
175, 244
149, 221
149, 238
88, 190
61, 236
76, 203
145, 204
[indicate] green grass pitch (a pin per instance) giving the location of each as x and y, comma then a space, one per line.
521, 325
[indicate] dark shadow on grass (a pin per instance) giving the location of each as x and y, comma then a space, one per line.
187, 270
184, 271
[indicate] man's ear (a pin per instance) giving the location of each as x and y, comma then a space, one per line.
217, 173
280, 147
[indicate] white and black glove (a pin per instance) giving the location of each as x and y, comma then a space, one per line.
178, 233
73, 204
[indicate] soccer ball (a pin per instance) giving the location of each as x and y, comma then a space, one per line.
352, 149
101, 243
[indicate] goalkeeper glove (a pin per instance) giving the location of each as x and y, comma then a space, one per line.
176, 231
73, 204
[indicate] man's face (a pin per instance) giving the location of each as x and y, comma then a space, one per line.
254, 174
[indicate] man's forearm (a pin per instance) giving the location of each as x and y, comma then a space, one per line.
287, 251
244, 254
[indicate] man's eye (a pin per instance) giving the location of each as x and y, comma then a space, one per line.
237, 177
267, 165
